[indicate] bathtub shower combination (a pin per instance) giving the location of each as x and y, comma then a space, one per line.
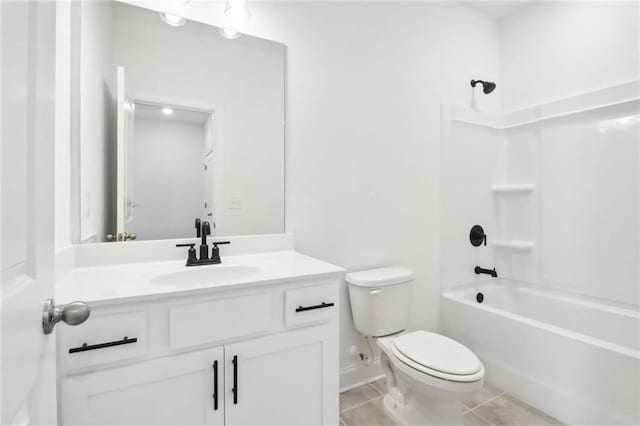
556, 188
575, 358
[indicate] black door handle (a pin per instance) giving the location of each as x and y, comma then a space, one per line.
215, 385
235, 379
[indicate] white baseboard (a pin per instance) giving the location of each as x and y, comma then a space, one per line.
356, 375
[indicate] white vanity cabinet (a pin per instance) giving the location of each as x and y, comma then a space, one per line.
174, 390
266, 355
279, 379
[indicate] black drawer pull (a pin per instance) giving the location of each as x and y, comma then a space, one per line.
310, 308
85, 347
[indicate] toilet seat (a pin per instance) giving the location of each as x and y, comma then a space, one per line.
438, 356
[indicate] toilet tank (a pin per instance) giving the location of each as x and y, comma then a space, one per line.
380, 299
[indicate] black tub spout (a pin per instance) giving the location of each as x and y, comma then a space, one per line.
478, 270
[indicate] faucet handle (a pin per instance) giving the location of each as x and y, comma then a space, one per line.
477, 236
215, 251
191, 257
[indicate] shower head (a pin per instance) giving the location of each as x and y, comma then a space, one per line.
487, 86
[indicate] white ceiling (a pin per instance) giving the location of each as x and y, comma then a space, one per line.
181, 115
498, 9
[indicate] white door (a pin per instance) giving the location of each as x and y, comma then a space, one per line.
282, 380
28, 393
125, 204
209, 152
175, 390
208, 192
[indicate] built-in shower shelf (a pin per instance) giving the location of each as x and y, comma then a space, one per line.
524, 188
515, 245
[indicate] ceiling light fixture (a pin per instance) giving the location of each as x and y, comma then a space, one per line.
173, 20
167, 111
229, 33
237, 10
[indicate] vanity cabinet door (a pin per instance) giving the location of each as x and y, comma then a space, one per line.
175, 390
284, 379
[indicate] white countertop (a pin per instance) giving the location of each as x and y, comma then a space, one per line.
127, 282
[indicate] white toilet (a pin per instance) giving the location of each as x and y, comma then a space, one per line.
427, 374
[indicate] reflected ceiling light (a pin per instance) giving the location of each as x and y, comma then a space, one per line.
173, 20
229, 34
237, 9
167, 111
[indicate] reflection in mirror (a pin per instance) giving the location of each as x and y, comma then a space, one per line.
177, 123
168, 142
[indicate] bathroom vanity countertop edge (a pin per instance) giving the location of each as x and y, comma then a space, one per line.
117, 284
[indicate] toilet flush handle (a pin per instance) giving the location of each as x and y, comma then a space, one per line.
375, 291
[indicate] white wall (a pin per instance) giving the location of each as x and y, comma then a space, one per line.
242, 82
97, 118
167, 175
364, 86
555, 49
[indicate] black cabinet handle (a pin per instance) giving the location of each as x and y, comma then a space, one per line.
235, 379
310, 308
215, 385
86, 347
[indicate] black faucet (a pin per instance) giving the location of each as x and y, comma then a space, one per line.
478, 270
202, 230
204, 248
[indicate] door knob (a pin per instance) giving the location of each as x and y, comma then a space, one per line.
72, 314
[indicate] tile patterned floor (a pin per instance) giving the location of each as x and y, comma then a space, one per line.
362, 406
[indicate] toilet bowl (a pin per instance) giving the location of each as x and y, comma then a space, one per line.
428, 374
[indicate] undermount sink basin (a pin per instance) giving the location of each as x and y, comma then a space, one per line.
206, 275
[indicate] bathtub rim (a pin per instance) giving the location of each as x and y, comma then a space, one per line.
456, 294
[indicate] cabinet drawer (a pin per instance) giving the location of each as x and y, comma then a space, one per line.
310, 304
217, 320
103, 339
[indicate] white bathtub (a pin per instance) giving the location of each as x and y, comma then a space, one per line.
574, 358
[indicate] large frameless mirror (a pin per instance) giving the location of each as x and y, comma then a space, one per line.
178, 120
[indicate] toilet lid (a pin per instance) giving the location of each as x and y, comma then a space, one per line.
438, 352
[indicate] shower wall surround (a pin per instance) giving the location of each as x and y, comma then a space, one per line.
586, 223
556, 188
554, 57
